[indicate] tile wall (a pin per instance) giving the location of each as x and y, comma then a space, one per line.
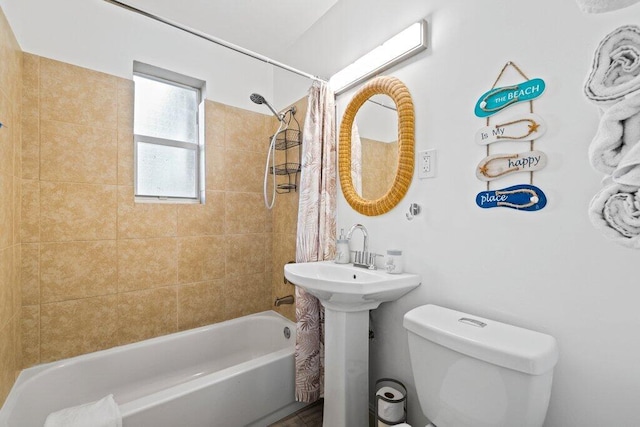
379, 165
10, 188
100, 270
285, 222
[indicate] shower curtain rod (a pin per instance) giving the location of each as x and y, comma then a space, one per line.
215, 40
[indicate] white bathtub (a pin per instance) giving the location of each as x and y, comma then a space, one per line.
234, 373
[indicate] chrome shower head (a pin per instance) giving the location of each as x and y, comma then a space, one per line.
259, 99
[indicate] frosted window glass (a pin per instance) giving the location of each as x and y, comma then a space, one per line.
166, 171
165, 111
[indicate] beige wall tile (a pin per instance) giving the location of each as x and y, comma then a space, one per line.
11, 56
200, 304
16, 331
70, 211
16, 278
125, 156
244, 171
125, 103
30, 85
246, 130
30, 120
146, 314
215, 168
70, 328
6, 135
77, 95
30, 211
203, 219
7, 287
74, 153
144, 220
7, 360
30, 154
6, 210
30, 277
17, 140
201, 258
17, 208
285, 213
244, 213
147, 263
247, 294
245, 254
30, 328
215, 119
77, 270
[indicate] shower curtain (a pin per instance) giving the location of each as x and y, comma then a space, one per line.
316, 234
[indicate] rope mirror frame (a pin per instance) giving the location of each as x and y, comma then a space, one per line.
397, 91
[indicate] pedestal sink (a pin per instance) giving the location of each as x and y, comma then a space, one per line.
347, 294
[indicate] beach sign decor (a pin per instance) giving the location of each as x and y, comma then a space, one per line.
497, 99
523, 127
522, 197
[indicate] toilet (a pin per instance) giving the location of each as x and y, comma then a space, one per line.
475, 372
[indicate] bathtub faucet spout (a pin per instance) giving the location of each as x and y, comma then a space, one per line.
284, 300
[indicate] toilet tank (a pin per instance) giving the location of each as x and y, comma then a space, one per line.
475, 372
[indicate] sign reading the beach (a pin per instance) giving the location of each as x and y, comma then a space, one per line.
499, 98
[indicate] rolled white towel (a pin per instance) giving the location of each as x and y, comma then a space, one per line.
102, 413
615, 211
618, 132
601, 6
628, 170
615, 71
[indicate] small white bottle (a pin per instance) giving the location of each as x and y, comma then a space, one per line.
342, 249
394, 264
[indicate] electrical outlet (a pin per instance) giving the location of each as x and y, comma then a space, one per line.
427, 164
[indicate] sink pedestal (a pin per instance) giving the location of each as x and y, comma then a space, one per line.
346, 374
347, 294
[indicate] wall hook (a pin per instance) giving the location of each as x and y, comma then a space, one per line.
414, 209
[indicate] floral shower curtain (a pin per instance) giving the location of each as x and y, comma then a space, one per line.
316, 234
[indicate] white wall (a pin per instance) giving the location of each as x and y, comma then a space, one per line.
550, 271
100, 36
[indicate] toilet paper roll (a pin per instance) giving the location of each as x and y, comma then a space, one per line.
390, 411
381, 424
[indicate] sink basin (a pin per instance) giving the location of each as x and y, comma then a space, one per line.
343, 287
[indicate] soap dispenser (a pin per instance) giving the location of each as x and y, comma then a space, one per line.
342, 249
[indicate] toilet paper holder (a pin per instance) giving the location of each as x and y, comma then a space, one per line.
391, 402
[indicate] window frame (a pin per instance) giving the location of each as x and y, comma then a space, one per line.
151, 72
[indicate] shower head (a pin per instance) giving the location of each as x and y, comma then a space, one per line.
259, 99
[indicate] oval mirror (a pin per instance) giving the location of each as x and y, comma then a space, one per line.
383, 194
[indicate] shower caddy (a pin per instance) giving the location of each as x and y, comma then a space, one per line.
287, 139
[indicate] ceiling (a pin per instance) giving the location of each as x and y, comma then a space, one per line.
264, 27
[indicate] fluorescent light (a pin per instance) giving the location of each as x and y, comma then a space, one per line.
398, 48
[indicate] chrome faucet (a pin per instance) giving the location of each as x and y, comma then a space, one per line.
363, 258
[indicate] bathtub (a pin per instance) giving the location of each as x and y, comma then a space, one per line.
234, 373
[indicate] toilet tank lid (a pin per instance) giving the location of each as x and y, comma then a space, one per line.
504, 345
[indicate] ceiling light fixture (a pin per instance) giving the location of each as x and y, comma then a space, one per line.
398, 48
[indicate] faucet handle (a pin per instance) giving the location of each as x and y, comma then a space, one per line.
371, 261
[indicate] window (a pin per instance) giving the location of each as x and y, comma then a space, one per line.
168, 135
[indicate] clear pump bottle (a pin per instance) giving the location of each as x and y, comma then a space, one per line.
342, 249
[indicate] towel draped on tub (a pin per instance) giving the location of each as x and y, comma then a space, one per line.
102, 413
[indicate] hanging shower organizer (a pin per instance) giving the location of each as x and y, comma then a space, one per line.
286, 140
